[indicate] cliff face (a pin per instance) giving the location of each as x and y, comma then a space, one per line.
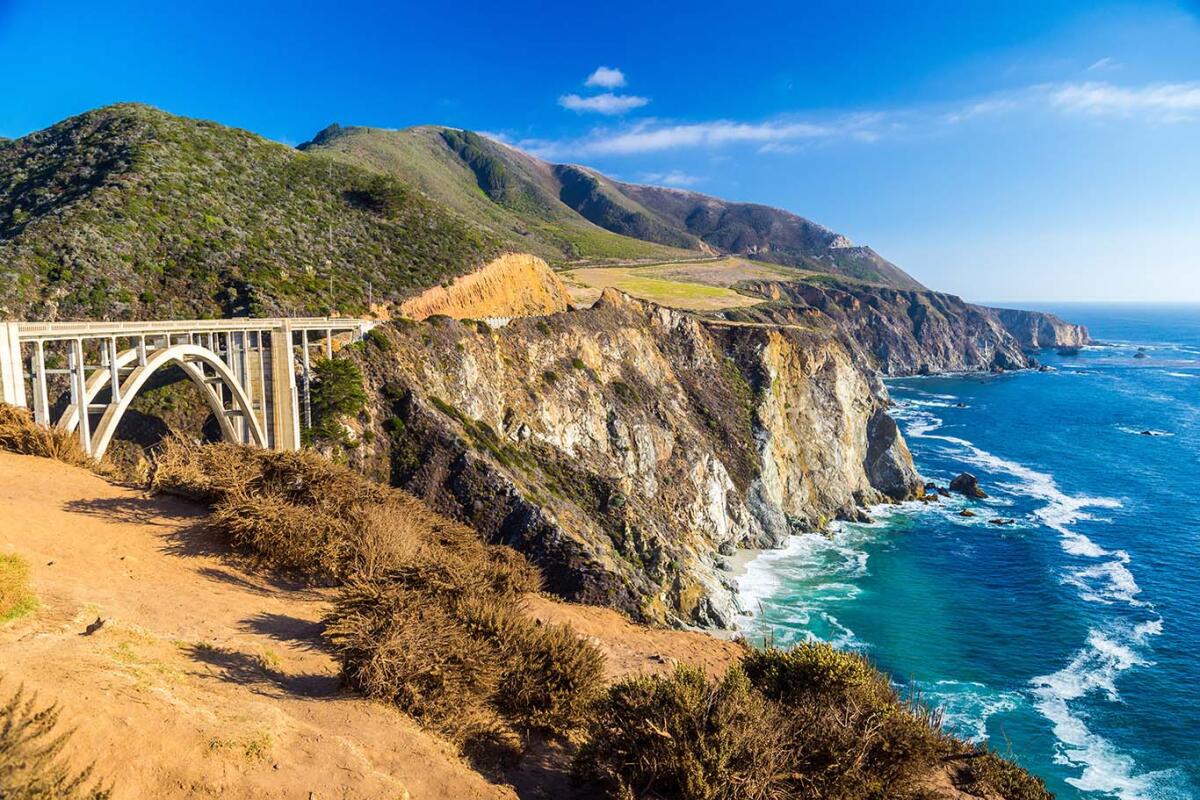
513, 285
1036, 329
628, 448
902, 332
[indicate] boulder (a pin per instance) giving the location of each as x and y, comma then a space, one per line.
999, 521
966, 512
967, 484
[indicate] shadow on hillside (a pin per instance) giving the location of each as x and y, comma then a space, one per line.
245, 669
140, 510
303, 633
258, 582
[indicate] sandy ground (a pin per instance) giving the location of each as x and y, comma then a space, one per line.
206, 679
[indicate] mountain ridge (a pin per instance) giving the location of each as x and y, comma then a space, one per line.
574, 196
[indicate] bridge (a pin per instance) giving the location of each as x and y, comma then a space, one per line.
245, 368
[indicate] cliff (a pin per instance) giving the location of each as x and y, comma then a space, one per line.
628, 448
1036, 330
909, 332
513, 285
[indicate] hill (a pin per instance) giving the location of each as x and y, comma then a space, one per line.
511, 193
566, 212
127, 211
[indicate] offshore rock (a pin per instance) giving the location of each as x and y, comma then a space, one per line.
967, 484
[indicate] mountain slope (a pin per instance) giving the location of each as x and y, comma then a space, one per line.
127, 211
511, 193
565, 212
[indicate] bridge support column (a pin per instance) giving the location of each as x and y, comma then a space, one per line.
286, 431
12, 376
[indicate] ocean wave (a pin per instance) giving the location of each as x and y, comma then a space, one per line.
1183, 374
1094, 670
966, 706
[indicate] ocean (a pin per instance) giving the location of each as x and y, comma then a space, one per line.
1069, 640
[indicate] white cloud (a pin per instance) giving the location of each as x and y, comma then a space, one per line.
673, 178
606, 77
1152, 103
1104, 64
608, 103
1161, 102
653, 136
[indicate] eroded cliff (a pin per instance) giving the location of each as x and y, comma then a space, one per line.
513, 285
629, 448
910, 332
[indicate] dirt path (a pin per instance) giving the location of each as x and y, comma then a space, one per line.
205, 679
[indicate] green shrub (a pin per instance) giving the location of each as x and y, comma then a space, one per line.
684, 736
31, 767
337, 392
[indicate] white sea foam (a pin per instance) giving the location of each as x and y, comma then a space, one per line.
966, 706
1183, 374
1095, 668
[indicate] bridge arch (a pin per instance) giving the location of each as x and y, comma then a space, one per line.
189, 357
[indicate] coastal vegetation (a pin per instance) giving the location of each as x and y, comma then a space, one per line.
31, 746
129, 212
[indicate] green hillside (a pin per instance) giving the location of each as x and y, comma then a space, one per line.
513, 194
567, 213
128, 212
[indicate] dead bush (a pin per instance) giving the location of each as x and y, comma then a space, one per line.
852, 735
550, 675
31, 766
20, 434
684, 736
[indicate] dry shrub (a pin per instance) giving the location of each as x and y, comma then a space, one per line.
808, 722
429, 617
683, 736
15, 597
30, 751
20, 434
852, 735
985, 772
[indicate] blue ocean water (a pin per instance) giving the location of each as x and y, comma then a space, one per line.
1070, 640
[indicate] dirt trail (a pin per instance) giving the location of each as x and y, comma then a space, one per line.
204, 680
207, 679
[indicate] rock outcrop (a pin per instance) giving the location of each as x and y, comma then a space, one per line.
909, 332
1037, 330
513, 285
628, 447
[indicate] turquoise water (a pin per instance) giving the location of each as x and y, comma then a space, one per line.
1070, 640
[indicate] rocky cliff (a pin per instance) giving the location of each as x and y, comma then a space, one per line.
1037, 330
628, 448
909, 332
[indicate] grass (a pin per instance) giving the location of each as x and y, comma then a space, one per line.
640, 282
31, 749
129, 212
16, 598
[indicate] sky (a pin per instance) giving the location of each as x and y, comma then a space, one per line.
1004, 151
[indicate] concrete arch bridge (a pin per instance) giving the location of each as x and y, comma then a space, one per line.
246, 370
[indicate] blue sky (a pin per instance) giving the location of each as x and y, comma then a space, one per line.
1003, 151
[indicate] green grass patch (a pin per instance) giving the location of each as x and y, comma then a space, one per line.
16, 598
